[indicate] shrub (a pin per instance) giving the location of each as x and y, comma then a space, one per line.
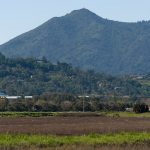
140, 108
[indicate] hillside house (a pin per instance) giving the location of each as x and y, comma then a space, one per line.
2, 95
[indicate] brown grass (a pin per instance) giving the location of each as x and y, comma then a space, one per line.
73, 125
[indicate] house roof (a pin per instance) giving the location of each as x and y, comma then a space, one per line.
2, 94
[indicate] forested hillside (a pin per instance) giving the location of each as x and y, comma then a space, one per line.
86, 40
35, 77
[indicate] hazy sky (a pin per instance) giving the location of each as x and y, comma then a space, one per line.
18, 16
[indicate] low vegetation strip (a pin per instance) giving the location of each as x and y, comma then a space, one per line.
73, 114
93, 139
46, 114
126, 114
27, 114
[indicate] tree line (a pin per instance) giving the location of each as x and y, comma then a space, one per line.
66, 102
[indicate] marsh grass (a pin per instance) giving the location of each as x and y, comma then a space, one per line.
27, 114
92, 139
127, 114
73, 114
46, 114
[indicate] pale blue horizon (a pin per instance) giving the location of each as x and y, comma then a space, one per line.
19, 16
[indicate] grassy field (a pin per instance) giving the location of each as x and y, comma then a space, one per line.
145, 82
127, 114
76, 114
119, 139
74, 131
26, 114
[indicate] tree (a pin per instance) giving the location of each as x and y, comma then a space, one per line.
3, 104
140, 108
66, 105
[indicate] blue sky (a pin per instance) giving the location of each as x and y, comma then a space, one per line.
19, 16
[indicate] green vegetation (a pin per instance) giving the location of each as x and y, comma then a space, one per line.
140, 108
146, 80
67, 102
88, 41
62, 103
126, 114
27, 114
73, 114
31, 77
81, 147
93, 139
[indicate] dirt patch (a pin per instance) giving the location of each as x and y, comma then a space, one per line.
73, 125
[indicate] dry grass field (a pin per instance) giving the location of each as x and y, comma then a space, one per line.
73, 125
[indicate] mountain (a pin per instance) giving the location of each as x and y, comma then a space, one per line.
88, 41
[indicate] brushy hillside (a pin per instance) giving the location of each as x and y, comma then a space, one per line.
86, 40
35, 77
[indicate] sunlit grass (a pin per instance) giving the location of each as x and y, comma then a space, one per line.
27, 114
93, 139
73, 114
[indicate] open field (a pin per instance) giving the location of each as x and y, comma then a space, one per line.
74, 131
59, 125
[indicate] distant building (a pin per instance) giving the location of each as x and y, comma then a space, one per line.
2, 95
126, 96
83, 96
137, 77
18, 97
28, 97
129, 109
13, 97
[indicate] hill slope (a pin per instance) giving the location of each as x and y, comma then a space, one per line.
35, 77
86, 40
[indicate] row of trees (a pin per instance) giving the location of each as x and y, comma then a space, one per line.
66, 102
62, 102
42, 105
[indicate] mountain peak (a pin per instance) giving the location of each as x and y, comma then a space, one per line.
83, 12
84, 15
84, 39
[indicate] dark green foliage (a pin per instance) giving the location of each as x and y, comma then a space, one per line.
61, 103
3, 104
35, 77
140, 108
88, 41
